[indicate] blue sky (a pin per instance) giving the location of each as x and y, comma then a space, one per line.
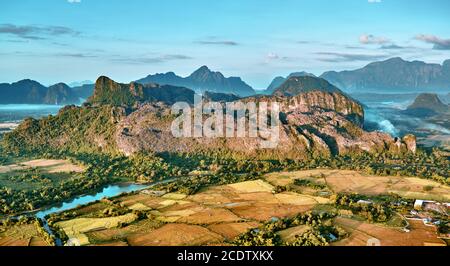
73, 40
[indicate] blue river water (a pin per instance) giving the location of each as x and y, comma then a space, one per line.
107, 192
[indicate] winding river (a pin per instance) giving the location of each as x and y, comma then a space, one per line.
107, 192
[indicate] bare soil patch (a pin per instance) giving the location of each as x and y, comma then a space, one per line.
361, 232
176, 235
231, 230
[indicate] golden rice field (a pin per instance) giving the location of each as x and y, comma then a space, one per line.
218, 214
356, 182
21, 235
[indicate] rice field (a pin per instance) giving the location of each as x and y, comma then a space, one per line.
362, 232
21, 235
355, 182
218, 214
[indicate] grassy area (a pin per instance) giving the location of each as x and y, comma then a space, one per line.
29, 180
220, 215
23, 234
347, 181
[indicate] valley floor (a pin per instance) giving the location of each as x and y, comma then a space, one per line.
217, 215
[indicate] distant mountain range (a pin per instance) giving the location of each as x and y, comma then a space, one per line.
393, 76
316, 118
32, 92
80, 83
203, 79
84, 91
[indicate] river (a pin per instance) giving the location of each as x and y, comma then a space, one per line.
107, 192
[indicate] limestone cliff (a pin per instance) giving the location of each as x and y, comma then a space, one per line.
131, 118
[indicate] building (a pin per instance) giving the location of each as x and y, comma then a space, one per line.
418, 204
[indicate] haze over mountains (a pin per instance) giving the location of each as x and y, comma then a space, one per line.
394, 75
428, 104
32, 92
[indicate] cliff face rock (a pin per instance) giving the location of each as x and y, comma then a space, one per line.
316, 131
203, 79
343, 105
314, 121
107, 91
410, 142
305, 93
394, 74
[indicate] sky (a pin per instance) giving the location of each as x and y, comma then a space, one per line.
74, 40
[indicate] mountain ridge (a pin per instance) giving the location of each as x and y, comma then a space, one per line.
202, 79
277, 81
312, 122
296, 85
393, 75
107, 91
29, 91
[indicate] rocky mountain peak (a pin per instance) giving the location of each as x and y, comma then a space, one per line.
204, 69
428, 102
28, 82
296, 85
203, 79
60, 85
103, 80
205, 74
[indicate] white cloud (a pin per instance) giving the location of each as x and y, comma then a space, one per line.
272, 56
74, 1
438, 43
374, 1
371, 39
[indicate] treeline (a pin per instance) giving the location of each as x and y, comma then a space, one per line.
101, 170
375, 209
74, 129
201, 170
26, 220
320, 231
225, 168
